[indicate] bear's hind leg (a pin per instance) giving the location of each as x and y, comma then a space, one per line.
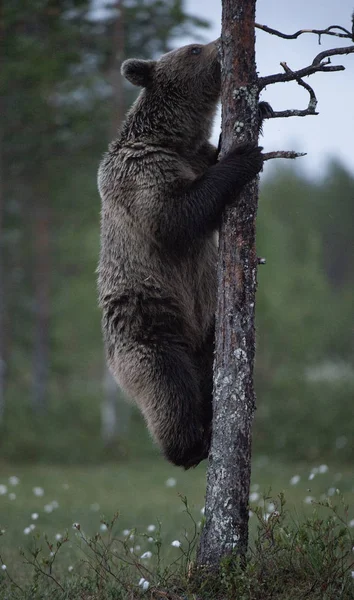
166, 387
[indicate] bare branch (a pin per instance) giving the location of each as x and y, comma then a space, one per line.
283, 154
283, 77
313, 99
292, 36
292, 112
311, 108
326, 53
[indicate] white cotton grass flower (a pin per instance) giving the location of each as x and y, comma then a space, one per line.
311, 476
137, 548
3, 567
176, 543
147, 554
266, 516
51, 553
27, 530
323, 469
70, 568
202, 510
254, 497
58, 536
13, 480
351, 523
144, 583
309, 499
76, 526
150, 540
38, 491
331, 491
295, 480
170, 482
48, 508
3, 489
32, 527
151, 528
103, 527
128, 533
34, 516
271, 507
12, 496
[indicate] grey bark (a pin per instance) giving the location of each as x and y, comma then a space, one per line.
226, 509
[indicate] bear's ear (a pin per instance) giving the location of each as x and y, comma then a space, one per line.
138, 72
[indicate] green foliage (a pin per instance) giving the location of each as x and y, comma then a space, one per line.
304, 373
292, 559
289, 559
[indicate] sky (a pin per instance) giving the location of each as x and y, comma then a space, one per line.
331, 133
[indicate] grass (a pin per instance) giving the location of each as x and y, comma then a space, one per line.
144, 493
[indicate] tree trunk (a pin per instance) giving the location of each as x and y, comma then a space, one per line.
114, 75
41, 299
226, 510
115, 411
2, 289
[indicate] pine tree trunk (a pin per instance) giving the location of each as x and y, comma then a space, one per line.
2, 292
41, 301
226, 510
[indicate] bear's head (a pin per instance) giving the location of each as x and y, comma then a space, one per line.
179, 97
192, 71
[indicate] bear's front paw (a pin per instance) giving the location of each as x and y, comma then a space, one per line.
247, 159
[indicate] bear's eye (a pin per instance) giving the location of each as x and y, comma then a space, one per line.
196, 50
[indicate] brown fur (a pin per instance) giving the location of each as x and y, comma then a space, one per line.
162, 198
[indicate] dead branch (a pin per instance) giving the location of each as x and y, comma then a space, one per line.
334, 52
311, 108
283, 154
292, 112
292, 36
316, 66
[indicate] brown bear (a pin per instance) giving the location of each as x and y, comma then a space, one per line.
163, 193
